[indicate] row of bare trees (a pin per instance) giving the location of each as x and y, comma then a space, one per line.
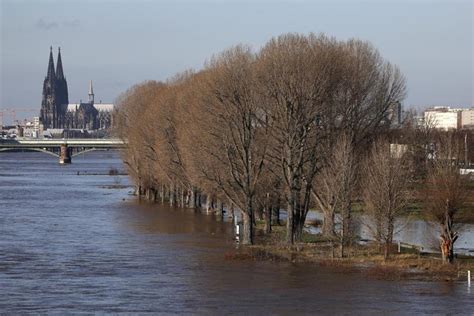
291, 126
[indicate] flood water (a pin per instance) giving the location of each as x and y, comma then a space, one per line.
78, 244
410, 232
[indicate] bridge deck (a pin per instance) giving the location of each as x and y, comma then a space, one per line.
76, 142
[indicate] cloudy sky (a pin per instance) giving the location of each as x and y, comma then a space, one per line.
120, 43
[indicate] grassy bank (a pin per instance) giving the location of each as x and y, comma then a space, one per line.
408, 264
464, 215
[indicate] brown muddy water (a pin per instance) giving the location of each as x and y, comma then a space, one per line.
72, 244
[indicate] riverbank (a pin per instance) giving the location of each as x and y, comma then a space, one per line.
409, 264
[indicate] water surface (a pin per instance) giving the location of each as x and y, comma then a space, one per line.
70, 244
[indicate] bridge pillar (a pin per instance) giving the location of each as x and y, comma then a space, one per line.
65, 154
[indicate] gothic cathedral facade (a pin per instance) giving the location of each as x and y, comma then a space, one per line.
57, 112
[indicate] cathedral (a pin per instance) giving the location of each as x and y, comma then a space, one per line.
57, 112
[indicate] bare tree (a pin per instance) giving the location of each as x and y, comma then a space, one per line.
250, 121
229, 122
132, 126
363, 89
386, 181
294, 75
335, 187
420, 138
268, 196
445, 192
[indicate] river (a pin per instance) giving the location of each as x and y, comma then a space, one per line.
81, 244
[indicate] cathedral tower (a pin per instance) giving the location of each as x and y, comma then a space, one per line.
62, 93
48, 103
55, 95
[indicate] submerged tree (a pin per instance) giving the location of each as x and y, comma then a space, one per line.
230, 121
133, 126
248, 122
294, 74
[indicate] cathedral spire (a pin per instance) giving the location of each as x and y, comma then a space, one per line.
91, 93
51, 75
59, 66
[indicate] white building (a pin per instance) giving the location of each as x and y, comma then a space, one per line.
398, 150
443, 117
467, 118
37, 127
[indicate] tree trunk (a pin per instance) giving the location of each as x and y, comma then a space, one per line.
289, 223
345, 227
298, 230
247, 236
389, 240
177, 194
268, 215
220, 210
328, 224
386, 252
163, 192
137, 189
268, 220
301, 212
448, 238
299, 219
447, 251
192, 198
341, 248
276, 215
171, 195
208, 205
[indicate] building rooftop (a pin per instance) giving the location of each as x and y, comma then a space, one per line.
101, 107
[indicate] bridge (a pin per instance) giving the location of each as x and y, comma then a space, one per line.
64, 149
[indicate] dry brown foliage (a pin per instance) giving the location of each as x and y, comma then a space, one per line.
255, 129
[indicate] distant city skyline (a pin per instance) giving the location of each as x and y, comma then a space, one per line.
120, 43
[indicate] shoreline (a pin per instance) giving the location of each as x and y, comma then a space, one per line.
410, 264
